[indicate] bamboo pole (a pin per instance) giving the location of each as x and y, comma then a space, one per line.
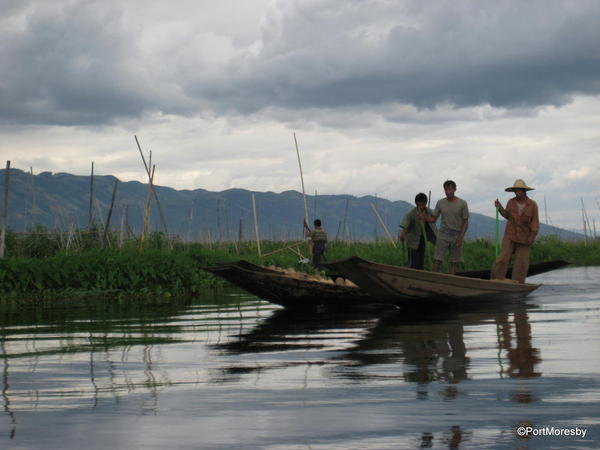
189, 235
122, 227
32, 187
584, 228
147, 167
385, 228
289, 247
585, 216
240, 231
545, 210
148, 206
91, 211
5, 211
256, 225
302, 181
344, 226
110, 210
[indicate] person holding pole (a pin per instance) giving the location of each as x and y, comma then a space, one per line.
522, 227
455, 221
415, 232
318, 238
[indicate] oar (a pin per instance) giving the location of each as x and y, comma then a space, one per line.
497, 233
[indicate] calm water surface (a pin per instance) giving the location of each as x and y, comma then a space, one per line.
230, 371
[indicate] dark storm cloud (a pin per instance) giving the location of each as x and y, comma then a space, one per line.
86, 62
505, 54
69, 64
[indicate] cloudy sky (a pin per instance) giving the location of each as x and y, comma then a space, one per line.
386, 97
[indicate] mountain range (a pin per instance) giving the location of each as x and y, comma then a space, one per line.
61, 201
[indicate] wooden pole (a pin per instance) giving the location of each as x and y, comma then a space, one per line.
122, 228
240, 233
344, 226
91, 211
545, 210
110, 210
32, 211
146, 166
256, 225
385, 228
585, 217
584, 228
5, 211
301, 180
148, 206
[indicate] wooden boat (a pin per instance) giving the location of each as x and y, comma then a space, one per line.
290, 290
303, 291
402, 285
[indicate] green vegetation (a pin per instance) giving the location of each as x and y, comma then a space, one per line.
43, 266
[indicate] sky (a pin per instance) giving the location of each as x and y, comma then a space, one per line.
386, 97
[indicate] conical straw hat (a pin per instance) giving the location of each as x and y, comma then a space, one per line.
519, 184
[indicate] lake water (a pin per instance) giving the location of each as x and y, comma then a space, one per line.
230, 371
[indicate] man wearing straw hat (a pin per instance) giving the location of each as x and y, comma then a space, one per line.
521, 229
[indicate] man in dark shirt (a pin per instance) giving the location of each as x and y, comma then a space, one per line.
318, 238
415, 230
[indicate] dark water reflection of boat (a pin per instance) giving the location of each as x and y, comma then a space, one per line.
426, 346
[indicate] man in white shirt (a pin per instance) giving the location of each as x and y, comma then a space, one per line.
455, 221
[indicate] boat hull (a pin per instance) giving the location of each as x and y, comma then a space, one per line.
404, 285
293, 292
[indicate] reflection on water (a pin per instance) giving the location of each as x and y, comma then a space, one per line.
372, 378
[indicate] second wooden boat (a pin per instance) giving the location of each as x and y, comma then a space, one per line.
403, 285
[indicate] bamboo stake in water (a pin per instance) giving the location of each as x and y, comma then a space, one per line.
584, 228
385, 228
240, 233
146, 166
110, 210
148, 206
91, 212
585, 216
5, 211
256, 225
122, 228
32, 211
301, 180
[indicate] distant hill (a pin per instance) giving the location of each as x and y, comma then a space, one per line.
61, 201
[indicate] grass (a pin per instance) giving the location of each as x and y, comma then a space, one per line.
41, 267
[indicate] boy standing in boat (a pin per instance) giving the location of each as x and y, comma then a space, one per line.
415, 230
318, 238
520, 232
455, 221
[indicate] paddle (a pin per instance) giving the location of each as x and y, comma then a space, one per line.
497, 232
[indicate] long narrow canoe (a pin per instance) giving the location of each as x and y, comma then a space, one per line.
282, 288
401, 284
303, 291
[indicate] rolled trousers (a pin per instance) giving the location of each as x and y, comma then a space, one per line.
520, 266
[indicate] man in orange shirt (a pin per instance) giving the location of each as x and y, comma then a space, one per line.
522, 228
